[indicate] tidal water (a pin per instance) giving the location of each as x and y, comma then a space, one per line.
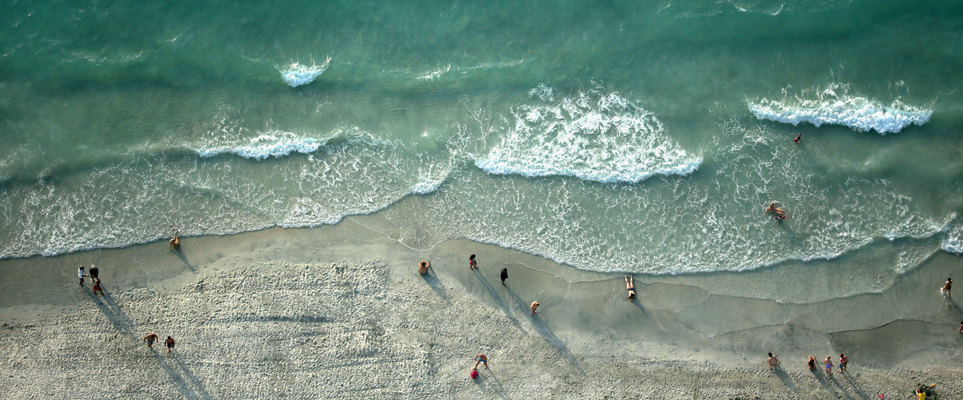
636, 136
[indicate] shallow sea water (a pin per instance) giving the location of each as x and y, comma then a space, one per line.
613, 136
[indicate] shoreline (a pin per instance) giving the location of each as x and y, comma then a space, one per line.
283, 285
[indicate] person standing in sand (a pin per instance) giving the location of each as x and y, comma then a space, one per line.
843, 360
170, 343
829, 365
94, 272
504, 275
811, 363
480, 358
423, 267
945, 290
630, 286
472, 264
534, 306
81, 275
150, 339
773, 362
97, 286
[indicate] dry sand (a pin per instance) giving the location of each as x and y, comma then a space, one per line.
341, 312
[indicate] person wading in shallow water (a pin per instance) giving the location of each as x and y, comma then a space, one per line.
150, 339
945, 290
534, 306
630, 286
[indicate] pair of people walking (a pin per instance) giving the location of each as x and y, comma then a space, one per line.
152, 337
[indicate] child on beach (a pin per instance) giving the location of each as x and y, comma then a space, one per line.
472, 264
829, 365
97, 286
80, 274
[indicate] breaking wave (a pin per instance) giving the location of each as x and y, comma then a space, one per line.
830, 108
593, 135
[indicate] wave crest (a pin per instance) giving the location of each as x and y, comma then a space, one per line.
594, 136
830, 108
297, 74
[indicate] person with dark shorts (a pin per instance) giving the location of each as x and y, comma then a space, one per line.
170, 343
630, 286
472, 264
480, 359
504, 275
81, 275
843, 360
150, 339
94, 272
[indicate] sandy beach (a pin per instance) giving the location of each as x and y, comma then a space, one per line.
341, 312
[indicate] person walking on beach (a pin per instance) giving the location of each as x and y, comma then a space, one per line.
534, 306
81, 275
150, 339
504, 275
97, 285
472, 264
630, 286
843, 360
480, 358
773, 362
945, 290
94, 272
811, 363
423, 267
170, 343
829, 365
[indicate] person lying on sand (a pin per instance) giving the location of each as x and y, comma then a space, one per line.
423, 267
630, 286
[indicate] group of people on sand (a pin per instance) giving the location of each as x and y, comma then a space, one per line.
94, 275
152, 337
811, 363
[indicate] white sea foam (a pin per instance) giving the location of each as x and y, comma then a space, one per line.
953, 237
276, 144
297, 74
830, 108
594, 136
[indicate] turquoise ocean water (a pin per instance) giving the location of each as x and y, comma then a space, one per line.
640, 136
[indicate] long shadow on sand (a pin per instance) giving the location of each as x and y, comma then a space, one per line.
824, 382
547, 333
183, 257
495, 384
175, 377
114, 314
855, 386
435, 285
784, 377
498, 300
190, 377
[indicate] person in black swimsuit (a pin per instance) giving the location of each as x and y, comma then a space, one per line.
504, 275
630, 286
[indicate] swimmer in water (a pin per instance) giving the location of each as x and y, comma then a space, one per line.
773, 209
797, 139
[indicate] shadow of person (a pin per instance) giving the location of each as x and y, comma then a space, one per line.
823, 381
784, 377
498, 300
496, 384
856, 387
547, 333
114, 314
183, 257
435, 284
198, 386
174, 377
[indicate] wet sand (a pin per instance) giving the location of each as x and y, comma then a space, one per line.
341, 312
